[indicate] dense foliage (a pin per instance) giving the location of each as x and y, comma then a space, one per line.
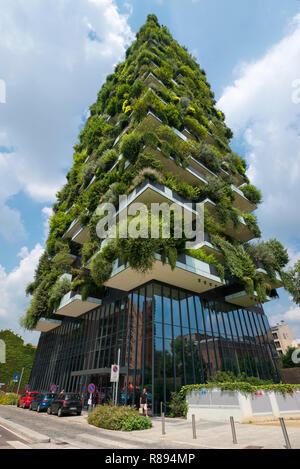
9, 398
155, 110
18, 355
118, 418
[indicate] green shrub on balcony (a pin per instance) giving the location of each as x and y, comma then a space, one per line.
130, 147
195, 128
251, 193
101, 269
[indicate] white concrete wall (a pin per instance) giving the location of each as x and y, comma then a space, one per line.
219, 406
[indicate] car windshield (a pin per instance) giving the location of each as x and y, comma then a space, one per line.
33, 394
50, 396
73, 397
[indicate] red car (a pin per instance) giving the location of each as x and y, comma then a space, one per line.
25, 400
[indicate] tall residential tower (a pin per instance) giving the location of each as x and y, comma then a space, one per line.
177, 313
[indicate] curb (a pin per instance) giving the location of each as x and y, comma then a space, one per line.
24, 431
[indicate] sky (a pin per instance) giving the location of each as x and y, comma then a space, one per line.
54, 57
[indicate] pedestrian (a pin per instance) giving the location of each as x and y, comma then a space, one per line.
144, 402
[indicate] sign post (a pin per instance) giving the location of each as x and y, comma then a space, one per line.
114, 378
91, 390
20, 381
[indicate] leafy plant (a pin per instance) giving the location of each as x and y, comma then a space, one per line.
118, 418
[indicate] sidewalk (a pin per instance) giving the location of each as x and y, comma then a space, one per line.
77, 432
210, 435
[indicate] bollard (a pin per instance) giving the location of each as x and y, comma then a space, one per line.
163, 424
233, 431
194, 427
285, 434
161, 408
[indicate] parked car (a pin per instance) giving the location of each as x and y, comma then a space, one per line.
67, 403
42, 401
27, 398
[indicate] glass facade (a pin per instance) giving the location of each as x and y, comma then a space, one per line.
167, 337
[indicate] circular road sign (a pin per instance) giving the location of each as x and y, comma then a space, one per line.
53, 388
27, 387
115, 369
91, 388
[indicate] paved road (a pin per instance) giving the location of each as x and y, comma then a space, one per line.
10, 440
74, 432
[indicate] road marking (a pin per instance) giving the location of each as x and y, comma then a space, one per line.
110, 443
18, 445
14, 433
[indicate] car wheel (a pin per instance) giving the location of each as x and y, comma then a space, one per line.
79, 413
49, 411
60, 413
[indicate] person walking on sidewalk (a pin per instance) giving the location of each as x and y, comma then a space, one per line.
144, 402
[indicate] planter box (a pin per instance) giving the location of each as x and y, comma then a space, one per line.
216, 405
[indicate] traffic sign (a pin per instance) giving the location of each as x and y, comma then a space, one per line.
114, 375
27, 387
16, 378
53, 388
91, 388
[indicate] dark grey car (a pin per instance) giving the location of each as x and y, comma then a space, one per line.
67, 403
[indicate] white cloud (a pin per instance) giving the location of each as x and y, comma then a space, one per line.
47, 213
260, 108
52, 70
12, 287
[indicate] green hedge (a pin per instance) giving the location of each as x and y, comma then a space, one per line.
244, 388
9, 399
118, 418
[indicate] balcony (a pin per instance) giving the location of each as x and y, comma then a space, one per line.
156, 192
278, 283
199, 166
72, 229
153, 82
241, 202
244, 299
81, 235
71, 305
189, 135
189, 174
209, 249
150, 123
47, 325
241, 233
189, 273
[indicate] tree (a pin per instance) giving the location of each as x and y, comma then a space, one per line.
18, 356
293, 282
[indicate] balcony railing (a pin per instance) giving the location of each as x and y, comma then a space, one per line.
71, 305
155, 192
240, 233
244, 299
241, 202
47, 325
189, 273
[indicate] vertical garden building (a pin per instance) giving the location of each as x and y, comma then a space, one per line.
178, 315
